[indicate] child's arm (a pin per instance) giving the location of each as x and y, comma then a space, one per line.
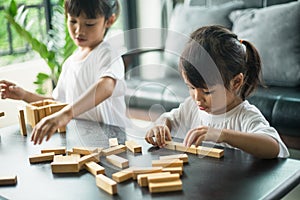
96, 94
10, 90
259, 145
161, 134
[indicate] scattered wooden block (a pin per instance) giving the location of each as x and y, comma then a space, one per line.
92, 157
43, 157
144, 170
22, 123
2, 114
94, 168
85, 150
211, 152
8, 180
183, 157
143, 178
180, 147
106, 184
113, 142
117, 161
65, 164
133, 146
163, 178
167, 163
173, 170
165, 186
123, 175
56, 150
114, 150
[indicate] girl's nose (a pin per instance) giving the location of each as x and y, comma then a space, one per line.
198, 95
79, 30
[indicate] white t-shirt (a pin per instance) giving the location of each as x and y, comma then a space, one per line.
245, 118
78, 76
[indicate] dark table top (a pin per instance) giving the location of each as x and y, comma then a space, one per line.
237, 175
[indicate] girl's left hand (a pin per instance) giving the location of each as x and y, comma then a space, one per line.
202, 133
48, 126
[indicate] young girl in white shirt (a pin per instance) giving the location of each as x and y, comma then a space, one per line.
92, 78
220, 71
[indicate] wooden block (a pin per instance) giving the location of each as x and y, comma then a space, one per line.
144, 170
167, 163
117, 161
170, 145
143, 178
8, 180
106, 184
114, 150
22, 123
173, 170
133, 146
163, 178
211, 152
2, 114
43, 157
85, 150
165, 186
41, 113
56, 150
180, 147
183, 157
92, 157
123, 175
65, 164
94, 168
113, 142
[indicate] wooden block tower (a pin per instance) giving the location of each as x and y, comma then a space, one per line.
37, 110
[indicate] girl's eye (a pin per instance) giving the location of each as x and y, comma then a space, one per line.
72, 21
208, 92
90, 24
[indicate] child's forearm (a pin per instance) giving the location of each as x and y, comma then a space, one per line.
30, 97
259, 145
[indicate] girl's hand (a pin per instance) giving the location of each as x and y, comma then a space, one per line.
161, 134
203, 133
10, 90
48, 125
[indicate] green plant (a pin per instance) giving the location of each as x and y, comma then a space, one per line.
58, 47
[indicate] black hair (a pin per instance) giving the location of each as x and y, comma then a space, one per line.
92, 8
215, 55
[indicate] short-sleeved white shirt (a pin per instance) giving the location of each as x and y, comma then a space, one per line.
78, 76
245, 118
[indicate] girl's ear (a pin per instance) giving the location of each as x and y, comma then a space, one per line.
111, 20
237, 82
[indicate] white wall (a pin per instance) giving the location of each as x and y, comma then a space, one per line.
23, 74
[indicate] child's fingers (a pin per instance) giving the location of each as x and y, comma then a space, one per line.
199, 140
187, 137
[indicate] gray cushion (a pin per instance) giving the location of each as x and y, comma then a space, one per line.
186, 19
275, 32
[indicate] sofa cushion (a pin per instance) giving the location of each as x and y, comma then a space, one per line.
186, 19
274, 31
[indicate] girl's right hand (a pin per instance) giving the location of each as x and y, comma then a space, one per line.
10, 90
161, 134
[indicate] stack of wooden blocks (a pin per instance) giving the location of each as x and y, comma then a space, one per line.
37, 110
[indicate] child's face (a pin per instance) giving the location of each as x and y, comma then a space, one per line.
86, 33
215, 99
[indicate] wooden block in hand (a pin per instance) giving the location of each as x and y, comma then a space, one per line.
123, 175
113, 142
183, 157
22, 123
8, 180
43, 157
167, 163
133, 146
170, 145
114, 150
56, 150
65, 164
167, 186
117, 161
106, 184
211, 152
94, 168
